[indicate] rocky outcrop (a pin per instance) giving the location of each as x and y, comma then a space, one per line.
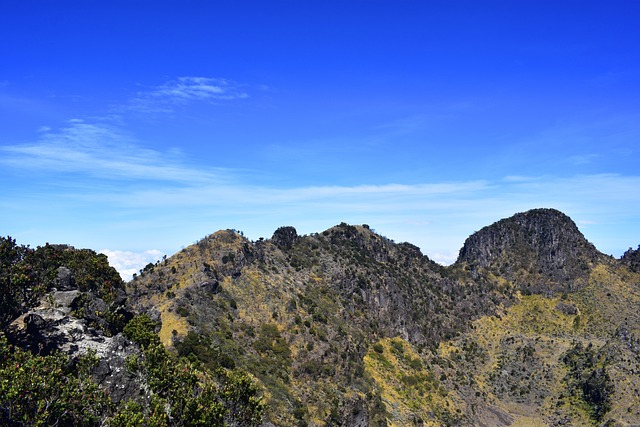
541, 251
64, 280
53, 326
631, 258
284, 237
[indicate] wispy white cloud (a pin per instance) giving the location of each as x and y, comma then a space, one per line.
184, 90
104, 151
583, 159
99, 148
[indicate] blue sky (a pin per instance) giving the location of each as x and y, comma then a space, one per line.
139, 127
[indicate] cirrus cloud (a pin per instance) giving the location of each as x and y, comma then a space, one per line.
171, 94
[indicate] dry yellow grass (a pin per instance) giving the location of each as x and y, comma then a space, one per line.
408, 388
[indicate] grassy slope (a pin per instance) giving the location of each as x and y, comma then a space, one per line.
316, 356
514, 359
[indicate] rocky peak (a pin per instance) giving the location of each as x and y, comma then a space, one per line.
65, 281
541, 250
631, 258
284, 237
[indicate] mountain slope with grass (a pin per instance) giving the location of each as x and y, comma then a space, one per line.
303, 312
346, 327
532, 326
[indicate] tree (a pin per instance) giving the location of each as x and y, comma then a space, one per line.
17, 280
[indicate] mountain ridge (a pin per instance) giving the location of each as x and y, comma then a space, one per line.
380, 288
530, 326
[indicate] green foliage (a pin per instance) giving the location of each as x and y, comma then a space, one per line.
45, 391
182, 311
270, 340
241, 399
186, 393
588, 380
27, 274
91, 270
17, 280
398, 347
141, 330
49, 390
273, 363
131, 414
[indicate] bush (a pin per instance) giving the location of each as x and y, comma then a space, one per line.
141, 330
44, 390
183, 393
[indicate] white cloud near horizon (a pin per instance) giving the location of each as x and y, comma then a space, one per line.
127, 263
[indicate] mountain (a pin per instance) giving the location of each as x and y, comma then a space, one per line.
531, 326
538, 251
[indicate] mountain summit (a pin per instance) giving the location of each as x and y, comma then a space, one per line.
540, 250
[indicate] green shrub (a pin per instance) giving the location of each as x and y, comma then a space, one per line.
141, 330
44, 390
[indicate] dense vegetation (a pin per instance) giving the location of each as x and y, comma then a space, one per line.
26, 274
48, 390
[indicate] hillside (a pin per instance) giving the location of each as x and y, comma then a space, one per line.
319, 319
303, 312
531, 326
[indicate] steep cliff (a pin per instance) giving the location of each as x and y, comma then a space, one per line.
540, 251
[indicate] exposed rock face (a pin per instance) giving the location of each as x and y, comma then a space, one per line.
541, 250
65, 281
52, 327
631, 259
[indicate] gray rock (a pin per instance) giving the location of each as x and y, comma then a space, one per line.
52, 327
568, 309
64, 300
541, 251
65, 281
212, 287
34, 323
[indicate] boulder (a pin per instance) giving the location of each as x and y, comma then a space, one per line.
65, 281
